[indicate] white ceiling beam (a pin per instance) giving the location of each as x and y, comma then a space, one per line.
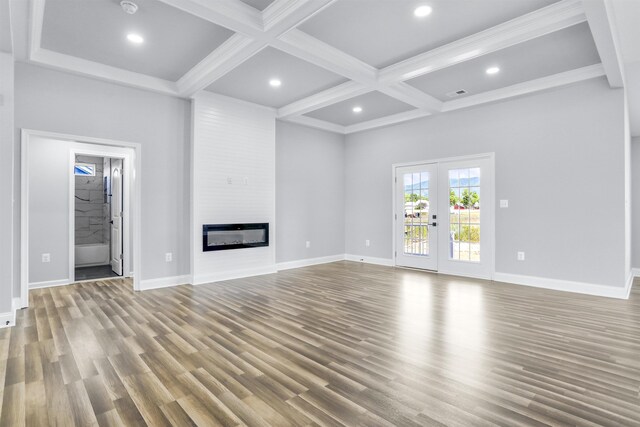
284, 15
20, 15
81, 66
412, 96
549, 19
315, 123
322, 99
280, 17
232, 14
387, 121
233, 52
36, 22
537, 85
602, 23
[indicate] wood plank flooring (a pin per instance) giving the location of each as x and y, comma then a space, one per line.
335, 344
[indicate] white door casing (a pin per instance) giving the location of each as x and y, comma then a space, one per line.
116, 220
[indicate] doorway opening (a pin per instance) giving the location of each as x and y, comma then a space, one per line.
444, 216
49, 162
98, 213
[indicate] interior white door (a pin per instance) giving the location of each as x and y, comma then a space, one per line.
466, 217
416, 218
116, 220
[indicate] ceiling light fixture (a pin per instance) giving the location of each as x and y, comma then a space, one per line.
493, 70
357, 110
129, 6
275, 83
135, 38
422, 11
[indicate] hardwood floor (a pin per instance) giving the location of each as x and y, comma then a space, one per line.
342, 343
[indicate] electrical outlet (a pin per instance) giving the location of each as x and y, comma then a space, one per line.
46, 257
308, 245
520, 256
367, 243
504, 203
168, 257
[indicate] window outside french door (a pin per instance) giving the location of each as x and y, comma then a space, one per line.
444, 216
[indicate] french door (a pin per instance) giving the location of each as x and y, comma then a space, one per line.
444, 216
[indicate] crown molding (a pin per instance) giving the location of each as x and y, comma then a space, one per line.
532, 25
315, 123
386, 121
322, 99
544, 83
104, 72
601, 20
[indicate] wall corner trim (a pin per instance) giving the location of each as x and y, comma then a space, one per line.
165, 282
620, 292
288, 265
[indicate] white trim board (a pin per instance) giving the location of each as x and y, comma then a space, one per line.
9, 319
620, 292
388, 262
299, 263
636, 272
165, 282
49, 284
235, 274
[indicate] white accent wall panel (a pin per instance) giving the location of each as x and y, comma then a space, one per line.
233, 181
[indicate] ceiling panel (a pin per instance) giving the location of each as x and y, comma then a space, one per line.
250, 80
554, 53
96, 30
374, 106
258, 4
383, 32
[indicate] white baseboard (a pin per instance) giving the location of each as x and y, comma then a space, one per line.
369, 260
164, 282
635, 272
49, 284
9, 319
234, 274
308, 262
621, 292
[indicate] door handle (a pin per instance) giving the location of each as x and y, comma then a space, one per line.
433, 224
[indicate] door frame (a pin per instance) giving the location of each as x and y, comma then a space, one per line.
491, 233
111, 152
135, 193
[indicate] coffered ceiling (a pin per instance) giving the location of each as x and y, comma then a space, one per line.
314, 61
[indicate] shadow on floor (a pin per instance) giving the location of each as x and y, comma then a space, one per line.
96, 272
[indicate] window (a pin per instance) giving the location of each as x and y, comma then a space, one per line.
84, 169
464, 214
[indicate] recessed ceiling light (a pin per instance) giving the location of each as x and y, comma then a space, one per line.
135, 38
357, 109
275, 82
422, 11
493, 70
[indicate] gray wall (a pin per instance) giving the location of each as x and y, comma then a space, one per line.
60, 102
635, 200
310, 189
6, 182
559, 161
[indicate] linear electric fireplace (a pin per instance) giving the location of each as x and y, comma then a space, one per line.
219, 237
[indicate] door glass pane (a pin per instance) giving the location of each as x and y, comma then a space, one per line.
464, 214
416, 213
